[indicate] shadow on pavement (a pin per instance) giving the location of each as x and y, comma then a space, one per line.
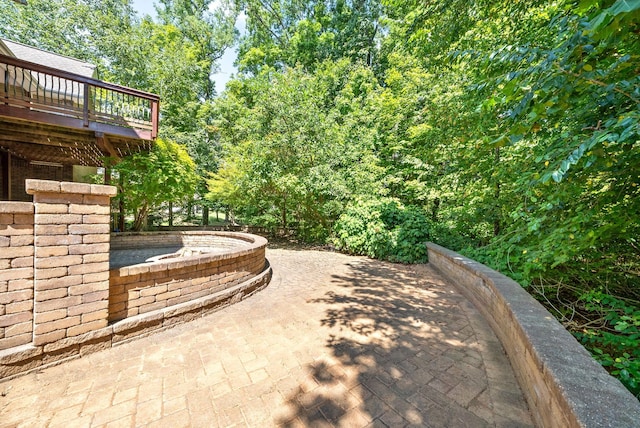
406, 355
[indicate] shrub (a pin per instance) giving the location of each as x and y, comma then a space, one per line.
383, 229
615, 343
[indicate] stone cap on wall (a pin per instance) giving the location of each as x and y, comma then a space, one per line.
33, 186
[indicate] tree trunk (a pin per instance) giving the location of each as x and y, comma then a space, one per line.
170, 214
141, 218
434, 209
284, 212
121, 206
205, 216
189, 209
496, 221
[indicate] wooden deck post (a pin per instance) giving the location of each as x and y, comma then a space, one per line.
85, 106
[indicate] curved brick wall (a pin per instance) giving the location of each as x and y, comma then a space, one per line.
564, 386
60, 299
150, 286
222, 239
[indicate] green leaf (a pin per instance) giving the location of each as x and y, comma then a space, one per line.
624, 6
500, 141
557, 176
600, 20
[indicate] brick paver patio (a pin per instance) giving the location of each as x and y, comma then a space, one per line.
334, 340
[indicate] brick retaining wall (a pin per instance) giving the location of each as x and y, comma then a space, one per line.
16, 273
71, 258
148, 287
55, 279
563, 384
191, 238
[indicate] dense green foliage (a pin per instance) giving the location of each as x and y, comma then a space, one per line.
292, 161
146, 181
514, 143
384, 229
615, 349
508, 131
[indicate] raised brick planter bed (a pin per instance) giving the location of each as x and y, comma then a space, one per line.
133, 290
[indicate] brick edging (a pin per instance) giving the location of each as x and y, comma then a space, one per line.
563, 384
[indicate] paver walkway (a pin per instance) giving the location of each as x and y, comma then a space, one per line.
334, 340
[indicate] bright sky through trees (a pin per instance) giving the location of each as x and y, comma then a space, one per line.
146, 7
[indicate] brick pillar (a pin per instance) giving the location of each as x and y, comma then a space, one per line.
71, 232
16, 273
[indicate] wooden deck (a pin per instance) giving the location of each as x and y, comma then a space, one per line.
55, 116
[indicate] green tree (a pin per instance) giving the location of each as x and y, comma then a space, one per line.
207, 31
578, 99
202, 34
282, 163
306, 33
541, 151
91, 30
166, 174
289, 160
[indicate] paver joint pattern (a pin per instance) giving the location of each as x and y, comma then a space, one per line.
334, 340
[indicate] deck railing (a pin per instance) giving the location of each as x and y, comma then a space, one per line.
35, 92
